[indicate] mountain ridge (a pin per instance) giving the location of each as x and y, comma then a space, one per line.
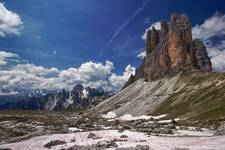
176, 78
78, 98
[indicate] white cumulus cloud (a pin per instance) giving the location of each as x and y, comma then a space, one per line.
30, 76
119, 80
10, 22
6, 55
213, 26
37, 70
217, 54
142, 55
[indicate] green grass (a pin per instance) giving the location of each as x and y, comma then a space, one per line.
195, 101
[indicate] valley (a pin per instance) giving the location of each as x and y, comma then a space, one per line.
82, 130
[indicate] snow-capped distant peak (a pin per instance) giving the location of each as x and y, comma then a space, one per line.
85, 93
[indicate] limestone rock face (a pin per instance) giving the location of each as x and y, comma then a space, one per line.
152, 40
157, 63
201, 55
164, 30
180, 47
172, 50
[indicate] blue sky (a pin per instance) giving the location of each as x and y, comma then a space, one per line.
79, 30
67, 33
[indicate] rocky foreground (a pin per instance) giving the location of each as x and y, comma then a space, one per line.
73, 131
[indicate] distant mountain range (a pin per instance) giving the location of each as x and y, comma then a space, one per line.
78, 97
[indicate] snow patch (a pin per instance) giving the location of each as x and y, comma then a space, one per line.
85, 93
168, 121
105, 127
159, 117
109, 115
74, 129
129, 117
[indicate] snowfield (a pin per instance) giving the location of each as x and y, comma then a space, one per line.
129, 117
134, 138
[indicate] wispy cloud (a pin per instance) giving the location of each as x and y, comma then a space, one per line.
10, 22
4, 56
127, 21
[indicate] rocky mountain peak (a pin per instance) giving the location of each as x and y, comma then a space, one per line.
180, 47
78, 97
78, 87
172, 50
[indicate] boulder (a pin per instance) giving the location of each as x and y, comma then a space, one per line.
123, 136
91, 135
54, 143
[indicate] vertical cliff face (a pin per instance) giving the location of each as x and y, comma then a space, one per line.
172, 50
164, 30
180, 47
202, 59
153, 40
